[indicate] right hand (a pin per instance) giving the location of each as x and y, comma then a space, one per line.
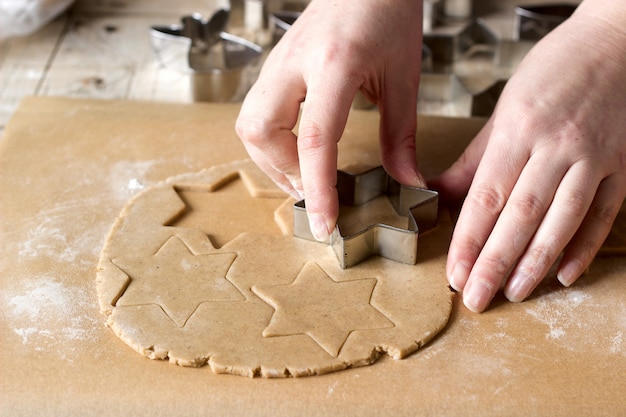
334, 49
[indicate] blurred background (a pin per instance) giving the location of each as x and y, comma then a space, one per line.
160, 50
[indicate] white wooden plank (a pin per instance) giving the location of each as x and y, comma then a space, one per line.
153, 82
110, 56
23, 63
150, 7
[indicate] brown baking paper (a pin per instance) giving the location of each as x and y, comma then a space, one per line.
67, 168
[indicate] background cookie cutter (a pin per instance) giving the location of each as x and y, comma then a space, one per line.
221, 66
533, 22
398, 244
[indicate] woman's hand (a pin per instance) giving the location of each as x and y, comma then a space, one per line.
334, 49
550, 164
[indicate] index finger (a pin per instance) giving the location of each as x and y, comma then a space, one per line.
324, 116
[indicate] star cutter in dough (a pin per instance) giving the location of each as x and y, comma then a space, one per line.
395, 243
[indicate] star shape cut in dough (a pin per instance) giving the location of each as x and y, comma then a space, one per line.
211, 210
326, 310
178, 280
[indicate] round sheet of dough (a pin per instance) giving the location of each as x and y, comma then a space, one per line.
202, 269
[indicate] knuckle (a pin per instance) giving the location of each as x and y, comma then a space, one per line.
254, 131
605, 214
324, 195
311, 139
332, 57
331, 54
499, 265
588, 249
576, 203
469, 246
541, 258
528, 208
488, 199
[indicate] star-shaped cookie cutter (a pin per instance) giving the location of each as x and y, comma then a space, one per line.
395, 243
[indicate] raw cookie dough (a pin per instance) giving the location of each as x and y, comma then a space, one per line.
202, 269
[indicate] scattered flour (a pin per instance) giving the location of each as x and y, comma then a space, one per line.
128, 177
47, 235
47, 313
135, 185
331, 388
617, 343
558, 310
575, 322
51, 317
42, 238
46, 294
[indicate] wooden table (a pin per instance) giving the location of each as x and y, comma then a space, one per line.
98, 49
101, 49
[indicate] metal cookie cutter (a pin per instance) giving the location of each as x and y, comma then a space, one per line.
533, 22
221, 66
395, 243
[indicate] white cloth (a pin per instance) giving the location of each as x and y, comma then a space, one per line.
23, 17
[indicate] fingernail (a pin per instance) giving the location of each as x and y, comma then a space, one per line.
319, 227
459, 275
570, 272
421, 181
519, 287
478, 296
418, 180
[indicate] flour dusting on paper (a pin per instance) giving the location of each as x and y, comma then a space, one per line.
47, 235
576, 322
558, 310
129, 177
135, 185
49, 316
617, 343
47, 232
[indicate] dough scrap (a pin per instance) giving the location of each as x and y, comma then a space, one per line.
202, 269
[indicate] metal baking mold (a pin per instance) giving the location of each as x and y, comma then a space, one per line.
221, 66
443, 94
533, 22
280, 23
450, 43
398, 244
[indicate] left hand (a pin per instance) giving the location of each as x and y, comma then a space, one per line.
549, 165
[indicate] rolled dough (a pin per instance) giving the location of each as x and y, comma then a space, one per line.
202, 269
